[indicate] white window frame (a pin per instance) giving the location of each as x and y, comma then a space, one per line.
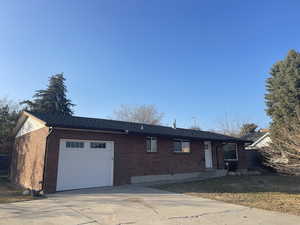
153, 144
97, 142
206, 145
236, 153
70, 147
182, 146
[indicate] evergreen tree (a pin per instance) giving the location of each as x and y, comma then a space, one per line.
8, 119
53, 99
283, 104
248, 128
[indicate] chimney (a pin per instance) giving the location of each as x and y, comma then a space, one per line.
174, 124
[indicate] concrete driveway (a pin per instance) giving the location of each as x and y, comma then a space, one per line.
134, 205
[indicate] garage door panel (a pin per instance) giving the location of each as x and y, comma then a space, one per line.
80, 166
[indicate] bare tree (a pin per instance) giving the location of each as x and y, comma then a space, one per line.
287, 159
13, 106
230, 126
142, 114
195, 125
248, 128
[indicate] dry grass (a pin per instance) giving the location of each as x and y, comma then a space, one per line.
9, 193
277, 193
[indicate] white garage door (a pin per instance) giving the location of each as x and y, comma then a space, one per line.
84, 164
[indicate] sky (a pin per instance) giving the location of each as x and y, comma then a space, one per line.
195, 60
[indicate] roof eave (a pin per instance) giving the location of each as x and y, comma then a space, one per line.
260, 139
87, 129
22, 119
122, 131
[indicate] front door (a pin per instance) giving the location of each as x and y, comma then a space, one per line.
208, 154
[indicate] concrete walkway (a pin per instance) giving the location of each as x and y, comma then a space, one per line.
134, 205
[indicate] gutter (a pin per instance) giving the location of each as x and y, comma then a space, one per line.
179, 137
46, 159
116, 131
121, 131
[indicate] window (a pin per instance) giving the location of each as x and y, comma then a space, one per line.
74, 144
205, 146
151, 143
230, 151
98, 145
182, 146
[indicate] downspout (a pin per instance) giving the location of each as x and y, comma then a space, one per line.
46, 159
217, 156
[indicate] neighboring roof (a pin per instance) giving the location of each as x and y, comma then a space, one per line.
265, 130
76, 122
253, 137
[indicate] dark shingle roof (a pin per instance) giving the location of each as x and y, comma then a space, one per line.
253, 137
76, 122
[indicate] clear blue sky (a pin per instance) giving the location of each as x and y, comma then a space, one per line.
200, 59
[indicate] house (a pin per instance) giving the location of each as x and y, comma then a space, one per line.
56, 153
257, 140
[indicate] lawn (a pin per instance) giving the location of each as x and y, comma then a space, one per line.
8, 193
270, 192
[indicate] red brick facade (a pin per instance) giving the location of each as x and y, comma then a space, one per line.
130, 156
27, 162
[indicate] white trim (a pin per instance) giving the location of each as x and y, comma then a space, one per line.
29, 125
113, 163
22, 119
152, 139
34, 117
208, 155
260, 139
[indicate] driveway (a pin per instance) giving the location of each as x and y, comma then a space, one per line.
134, 205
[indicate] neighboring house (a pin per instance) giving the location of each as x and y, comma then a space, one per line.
258, 139
56, 153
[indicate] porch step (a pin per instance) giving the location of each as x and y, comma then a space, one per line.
212, 173
177, 178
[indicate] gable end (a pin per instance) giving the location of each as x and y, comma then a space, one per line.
29, 125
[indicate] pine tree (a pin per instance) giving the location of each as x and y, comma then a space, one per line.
283, 106
53, 99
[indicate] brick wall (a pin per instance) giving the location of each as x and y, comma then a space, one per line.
218, 155
28, 159
131, 158
242, 163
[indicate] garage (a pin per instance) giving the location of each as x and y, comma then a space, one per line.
84, 164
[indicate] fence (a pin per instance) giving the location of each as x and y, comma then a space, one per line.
254, 159
4, 163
